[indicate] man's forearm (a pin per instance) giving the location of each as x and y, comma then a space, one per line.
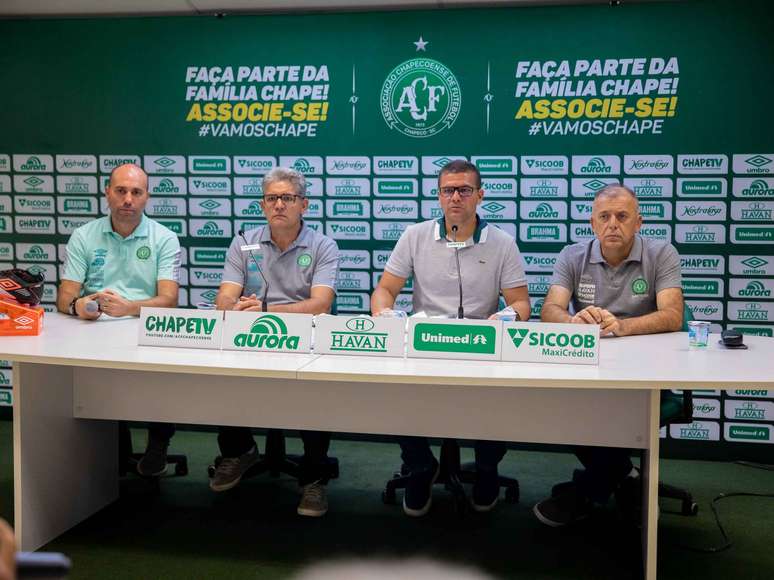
381, 300
308, 306
522, 307
155, 302
554, 313
655, 322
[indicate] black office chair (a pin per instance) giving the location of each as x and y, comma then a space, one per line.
276, 461
676, 409
452, 476
128, 460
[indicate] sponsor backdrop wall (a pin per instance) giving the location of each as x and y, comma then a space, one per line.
550, 103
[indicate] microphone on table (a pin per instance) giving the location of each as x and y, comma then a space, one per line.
264, 305
460, 310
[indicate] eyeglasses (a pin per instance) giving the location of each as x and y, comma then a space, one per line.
463, 190
287, 198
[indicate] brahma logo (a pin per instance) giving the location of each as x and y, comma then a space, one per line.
268, 331
420, 98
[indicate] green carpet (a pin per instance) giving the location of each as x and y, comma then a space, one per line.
182, 530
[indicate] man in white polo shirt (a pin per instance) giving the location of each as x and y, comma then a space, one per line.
490, 264
119, 263
628, 285
300, 266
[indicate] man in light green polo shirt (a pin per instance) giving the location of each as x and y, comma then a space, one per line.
116, 265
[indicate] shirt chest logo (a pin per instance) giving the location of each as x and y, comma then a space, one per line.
586, 291
304, 260
639, 286
143, 253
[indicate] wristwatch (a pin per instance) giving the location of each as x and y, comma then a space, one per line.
72, 306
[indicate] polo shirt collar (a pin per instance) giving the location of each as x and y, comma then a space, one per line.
635, 254
141, 231
479, 234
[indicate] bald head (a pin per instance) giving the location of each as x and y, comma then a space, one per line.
128, 171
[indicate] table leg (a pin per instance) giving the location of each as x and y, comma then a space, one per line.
650, 476
65, 469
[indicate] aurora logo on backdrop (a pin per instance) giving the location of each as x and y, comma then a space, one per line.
420, 98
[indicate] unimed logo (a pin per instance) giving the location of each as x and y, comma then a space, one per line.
471, 338
270, 332
749, 432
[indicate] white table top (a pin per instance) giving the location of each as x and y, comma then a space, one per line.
654, 361
112, 343
661, 361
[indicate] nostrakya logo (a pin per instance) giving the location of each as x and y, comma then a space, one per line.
268, 331
420, 98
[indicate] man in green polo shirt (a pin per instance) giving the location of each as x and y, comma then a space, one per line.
116, 265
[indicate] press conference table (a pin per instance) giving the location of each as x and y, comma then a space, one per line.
75, 380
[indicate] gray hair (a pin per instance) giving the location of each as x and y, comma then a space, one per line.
615, 189
293, 177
